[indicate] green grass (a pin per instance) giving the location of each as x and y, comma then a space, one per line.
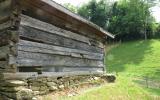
136, 59
123, 89
131, 61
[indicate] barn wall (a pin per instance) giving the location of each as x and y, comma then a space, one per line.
56, 49
8, 35
64, 53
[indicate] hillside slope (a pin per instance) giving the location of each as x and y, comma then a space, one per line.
139, 61
140, 58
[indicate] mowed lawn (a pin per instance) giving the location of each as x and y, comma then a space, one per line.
137, 65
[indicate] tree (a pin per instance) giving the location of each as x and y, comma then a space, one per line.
97, 12
129, 18
157, 31
70, 7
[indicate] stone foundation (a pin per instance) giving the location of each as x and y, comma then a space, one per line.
26, 89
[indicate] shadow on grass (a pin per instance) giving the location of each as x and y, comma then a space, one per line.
140, 60
154, 91
131, 53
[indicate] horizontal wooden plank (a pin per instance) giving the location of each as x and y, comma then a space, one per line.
32, 22
73, 69
4, 52
46, 51
51, 17
5, 8
12, 59
36, 59
5, 25
60, 69
48, 74
53, 47
6, 36
50, 49
35, 23
3, 64
7, 70
4, 67
63, 12
4, 19
47, 38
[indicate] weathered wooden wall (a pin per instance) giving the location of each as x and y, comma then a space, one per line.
57, 49
32, 38
8, 35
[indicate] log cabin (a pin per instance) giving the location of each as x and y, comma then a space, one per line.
41, 37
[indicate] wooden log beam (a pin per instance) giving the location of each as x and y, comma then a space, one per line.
37, 59
7, 35
50, 49
4, 51
7, 70
5, 8
47, 38
47, 74
35, 23
60, 69
28, 21
3, 64
36, 12
4, 38
5, 67
4, 19
46, 51
62, 14
5, 25
74, 69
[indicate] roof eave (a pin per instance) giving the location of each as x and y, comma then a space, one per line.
77, 17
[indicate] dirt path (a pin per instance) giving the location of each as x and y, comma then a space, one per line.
69, 92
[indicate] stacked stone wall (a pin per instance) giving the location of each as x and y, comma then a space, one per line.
26, 89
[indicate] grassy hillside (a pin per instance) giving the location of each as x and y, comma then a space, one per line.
136, 59
123, 89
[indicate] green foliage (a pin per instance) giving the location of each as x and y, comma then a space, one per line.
139, 58
157, 31
70, 7
130, 19
123, 89
97, 12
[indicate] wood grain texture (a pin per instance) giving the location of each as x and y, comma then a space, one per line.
50, 49
61, 69
3, 64
5, 25
47, 38
35, 23
36, 59
54, 9
48, 74
4, 52
5, 67
5, 8
6, 36
74, 69
55, 18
